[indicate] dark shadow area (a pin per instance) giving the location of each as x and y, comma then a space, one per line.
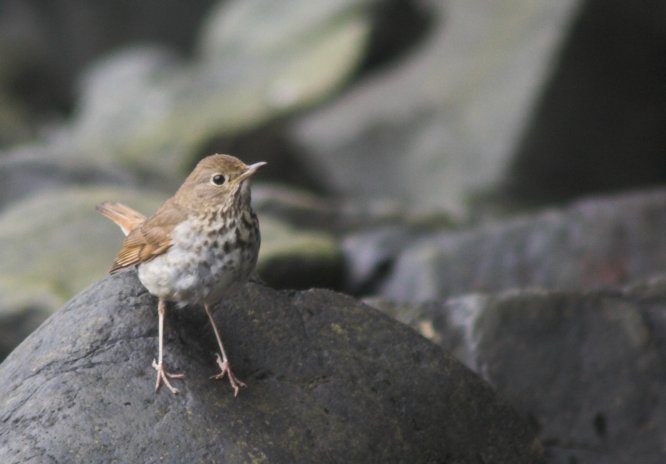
399, 26
599, 126
81, 31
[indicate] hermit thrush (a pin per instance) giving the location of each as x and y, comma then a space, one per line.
201, 243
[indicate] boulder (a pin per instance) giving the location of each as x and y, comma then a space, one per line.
149, 110
442, 124
292, 258
594, 243
34, 168
328, 380
542, 101
586, 367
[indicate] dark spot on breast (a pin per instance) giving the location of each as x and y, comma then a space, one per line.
226, 246
224, 226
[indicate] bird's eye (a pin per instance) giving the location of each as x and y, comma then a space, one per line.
218, 179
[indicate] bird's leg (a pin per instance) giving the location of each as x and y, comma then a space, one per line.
162, 374
223, 361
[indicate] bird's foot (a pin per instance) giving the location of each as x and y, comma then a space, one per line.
225, 369
164, 376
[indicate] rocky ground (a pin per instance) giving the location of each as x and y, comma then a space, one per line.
328, 380
489, 173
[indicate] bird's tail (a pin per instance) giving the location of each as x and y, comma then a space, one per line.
125, 217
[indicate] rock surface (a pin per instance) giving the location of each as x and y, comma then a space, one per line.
298, 259
429, 135
329, 380
595, 243
149, 110
588, 368
515, 97
444, 124
25, 172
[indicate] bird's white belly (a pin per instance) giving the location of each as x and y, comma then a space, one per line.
198, 267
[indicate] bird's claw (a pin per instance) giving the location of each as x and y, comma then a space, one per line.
164, 376
225, 369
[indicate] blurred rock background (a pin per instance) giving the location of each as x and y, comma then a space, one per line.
430, 155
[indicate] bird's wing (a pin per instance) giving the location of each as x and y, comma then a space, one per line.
152, 238
125, 217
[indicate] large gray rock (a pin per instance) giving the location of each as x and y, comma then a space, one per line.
520, 97
292, 258
329, 380
149, 110
586, 367
26, 171
598, 242
445, 122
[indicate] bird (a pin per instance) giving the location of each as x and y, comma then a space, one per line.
201, 243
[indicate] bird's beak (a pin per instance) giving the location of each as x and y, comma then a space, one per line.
251, 169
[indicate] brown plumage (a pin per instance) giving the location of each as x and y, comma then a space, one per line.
124, 216
200, 243
145, 238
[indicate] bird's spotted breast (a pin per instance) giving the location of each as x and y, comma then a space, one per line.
206, 258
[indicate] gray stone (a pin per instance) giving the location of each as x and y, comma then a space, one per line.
444, 123
598, 242
15, 123
586, 367
147, 110
31, 169
369, 254
305, 210
329, 380
311, 240
292, 258
299, 208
